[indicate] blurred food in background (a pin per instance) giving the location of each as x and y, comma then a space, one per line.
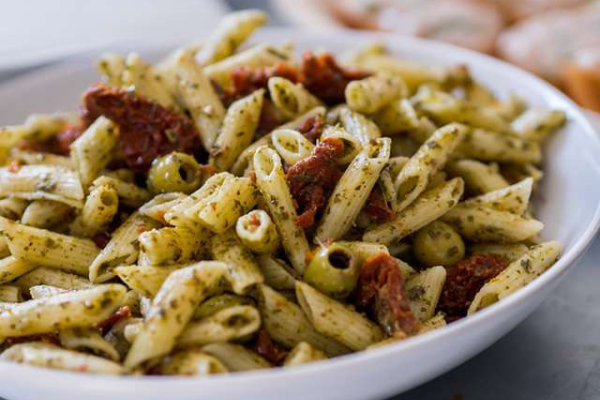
558, 40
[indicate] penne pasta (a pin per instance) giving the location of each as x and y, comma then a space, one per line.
430, 158
272, 184
232, 31
352, 191
94, 149
48, 314
477, 223
518, 274
428, 207
237, 132
333, 319
371, 94
287, 324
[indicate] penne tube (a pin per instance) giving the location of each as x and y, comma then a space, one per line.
45, 213
236, 358
34, 182
397, 117
257, 232
238, 130
518, 274
538, 123
192, 362
93, 150
272, 184
226, 247
172, 308
477, 223
430, 158
427, 208
12, 208
359, 126
287, 324
48, 314
25, 157
444, 108
50, 356
171, 245
111, 67
436, 322
145, 280
146, 81
52, 277
12, 268
129, 194
487, 145
88, 339
10, 294
4, 251
122, 249
424, 290
478, 177
231, 32
513, 199
335, 320
276, 273
50, 249
353, 190
510, 252
291, 145
261, 55
303, 353
290, 98
228, 325
160, 205
99, 209
194, 92
221, 209
371, 94
39, 291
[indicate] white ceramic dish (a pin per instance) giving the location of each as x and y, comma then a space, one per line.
568, 204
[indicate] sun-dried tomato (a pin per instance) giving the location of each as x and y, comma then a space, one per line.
464, 280
323, 77
268, 349
312, 128
245, 80
66, 137
147, 129
381, 290
122, 313
377, 208
313, 179
101, 239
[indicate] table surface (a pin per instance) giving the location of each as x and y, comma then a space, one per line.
552, 355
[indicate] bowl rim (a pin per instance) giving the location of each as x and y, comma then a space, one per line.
478, 60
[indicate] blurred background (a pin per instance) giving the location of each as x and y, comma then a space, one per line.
554, 354
558, 40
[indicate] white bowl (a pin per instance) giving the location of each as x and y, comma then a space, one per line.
567, 203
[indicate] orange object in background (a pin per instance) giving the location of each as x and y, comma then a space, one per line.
545, 37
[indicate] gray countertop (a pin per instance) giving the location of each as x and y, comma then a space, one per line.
553, 355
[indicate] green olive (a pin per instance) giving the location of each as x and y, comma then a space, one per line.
438, 244
220, 302
175, 172
333, 270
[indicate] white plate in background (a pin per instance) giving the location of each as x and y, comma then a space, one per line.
34, 32
568, 204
